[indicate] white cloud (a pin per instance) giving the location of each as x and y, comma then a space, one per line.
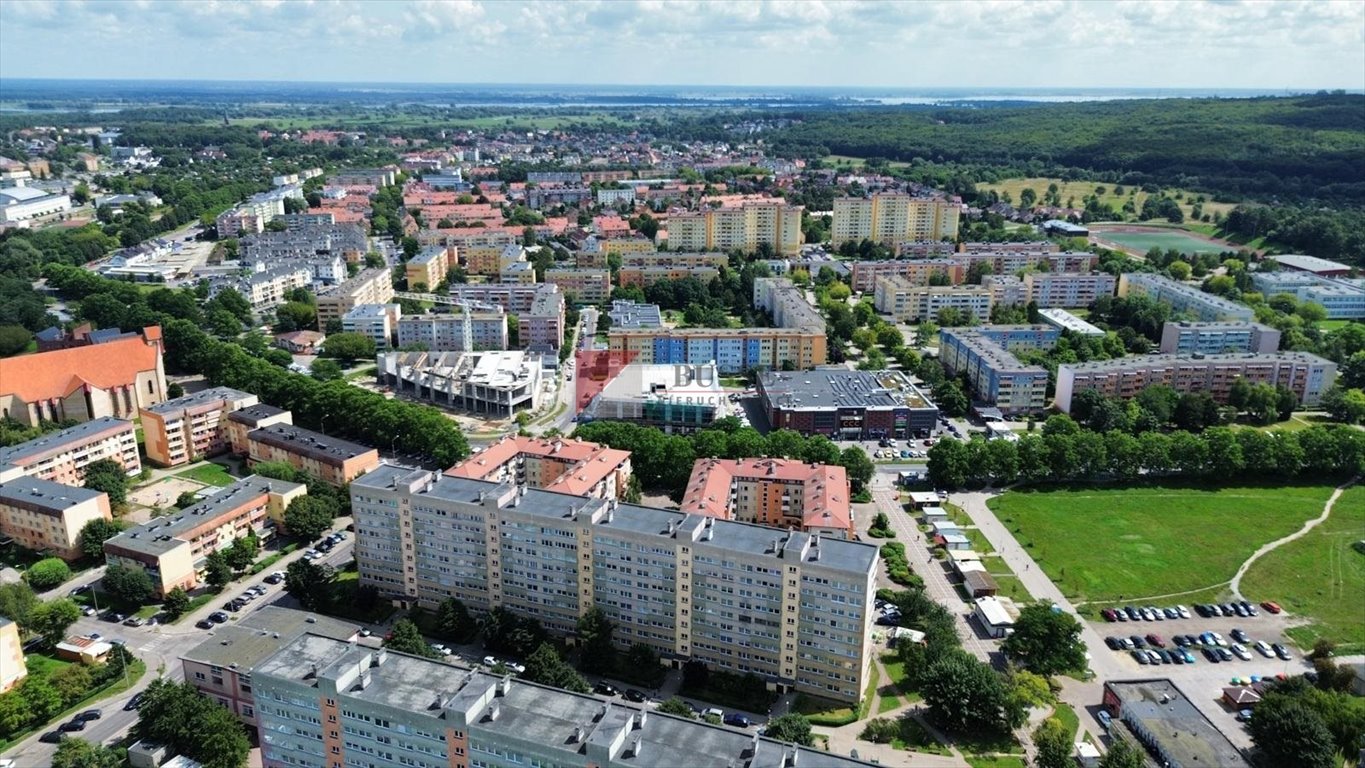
1085, 43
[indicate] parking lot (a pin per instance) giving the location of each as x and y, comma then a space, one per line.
1203, 681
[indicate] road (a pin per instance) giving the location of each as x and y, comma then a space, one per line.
160, 647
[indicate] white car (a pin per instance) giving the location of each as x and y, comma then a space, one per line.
1183, 611
490, 661
1241, 652
1263, 648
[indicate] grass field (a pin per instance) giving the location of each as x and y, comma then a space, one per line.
210, 474
1080, 189
1332, 325
1151, 540
1320, 576
1163, 239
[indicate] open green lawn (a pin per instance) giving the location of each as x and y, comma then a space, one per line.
210, 474
1162, 238
1320, 576
1332, 325
1103, 544
1080, 189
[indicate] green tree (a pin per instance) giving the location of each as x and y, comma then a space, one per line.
243, 551
348, 347
43, 700
309, 583
676, 706
14, 339
47, 573
454, 622
1053, 744
1289, 733
324, 369
177, 601
307, 517
544, 666
110, 477
17, 602
186, 499
408, 639
295, 316
131, 585
963, 695
1046, 641
187, 722
278, 470
217, 570
785, 444
597, 652
72, 682
859, 467
15, 714
1344, 405
949, 465
792, 728
1122, 754
52, 619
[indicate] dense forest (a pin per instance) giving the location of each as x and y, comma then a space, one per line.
1309, 147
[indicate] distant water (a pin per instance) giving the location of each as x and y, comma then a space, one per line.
34, 95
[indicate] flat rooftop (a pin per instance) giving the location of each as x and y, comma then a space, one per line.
1068, 322
1179, 728
54, 442
838, 387
162, 534
1305, 263
315, 445
44, 496
1146, 362
244, 644
254, 413
216, 395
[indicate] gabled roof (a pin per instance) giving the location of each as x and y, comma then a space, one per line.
55, 374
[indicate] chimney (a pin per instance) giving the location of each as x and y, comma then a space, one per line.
641, 718
494, 711
577, 735
637, 747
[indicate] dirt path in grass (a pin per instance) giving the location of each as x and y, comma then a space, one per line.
1236, 583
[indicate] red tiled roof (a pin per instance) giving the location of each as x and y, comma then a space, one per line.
825, 498
56, 374
591, 462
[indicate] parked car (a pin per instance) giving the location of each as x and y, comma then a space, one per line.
1281, 651
71, 726
1189, 657
134, 702
1156, 640
1251, 609
1109, 615
1240, 636
90, 714
606, 689
737, 720
1104, 718
1244, 716
490, 661
1121, 614
89, 611
1164, 656
218, 617
1240, 652
1263, 648
1113, 643
1179, 640
1202, 610
1182, 611
1239, 610
636, 696
1140, 657
1223, 653
275, 578
1272, 606
1171, 613
1211, 656
204, 624
1138, 642
52, 737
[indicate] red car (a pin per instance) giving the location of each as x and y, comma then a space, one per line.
1272, 606
1156, 640
1108, 614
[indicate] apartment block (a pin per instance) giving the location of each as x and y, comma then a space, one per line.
786, 303
745, 226
1006, 290
585, 286
539, 308
910, 303
368, 177
893, 218
1068, 289
645, 276
48, 517
112, 378
1065, 321
733, 350
567, 465
1186, 338
377, 322
266, 289
326, 458
493, 382
778, 493
465, 330
846, 405
428, 268
221, 666
998, 377
1023, 246
1184, 299
668, 579
173, 549
369, 286
324, 702
492, 260
1307, 376
1011, 261
1343, 299
13, 670
244, 421
863, 274
63, 456
189, 428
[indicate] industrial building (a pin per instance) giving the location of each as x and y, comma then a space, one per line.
496, 383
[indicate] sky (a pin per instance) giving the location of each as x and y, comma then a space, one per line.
1262, 44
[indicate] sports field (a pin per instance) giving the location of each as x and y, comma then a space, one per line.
1143, 239
1320, 576
1111, 544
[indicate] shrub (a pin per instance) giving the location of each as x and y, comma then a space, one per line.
47, 573
897, 566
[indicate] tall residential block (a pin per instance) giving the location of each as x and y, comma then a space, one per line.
189, 428
997, 377
946, 271
745, 226
1307, 376
733, 350
893, 218
428, 268
1185, 338
793, 608
63, 456
48, 517
324, 702
467, 329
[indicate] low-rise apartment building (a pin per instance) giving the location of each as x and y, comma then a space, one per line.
1307, 376
48, 517
1013, 260
492, 260
665, 578
846, 405
1006, 290
266, 289
1187, 338
787, 304
377, 322
465, 330
111, 378
63, 456
244, 421
189, 428
893, 218
946, 271
173, 549
907, 302
369, 286
567, 465
325, 702
1184, 299
326, 458
998, 377
1068, 289
494, 382
779, 493
428, 268
585, 286
646, 275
